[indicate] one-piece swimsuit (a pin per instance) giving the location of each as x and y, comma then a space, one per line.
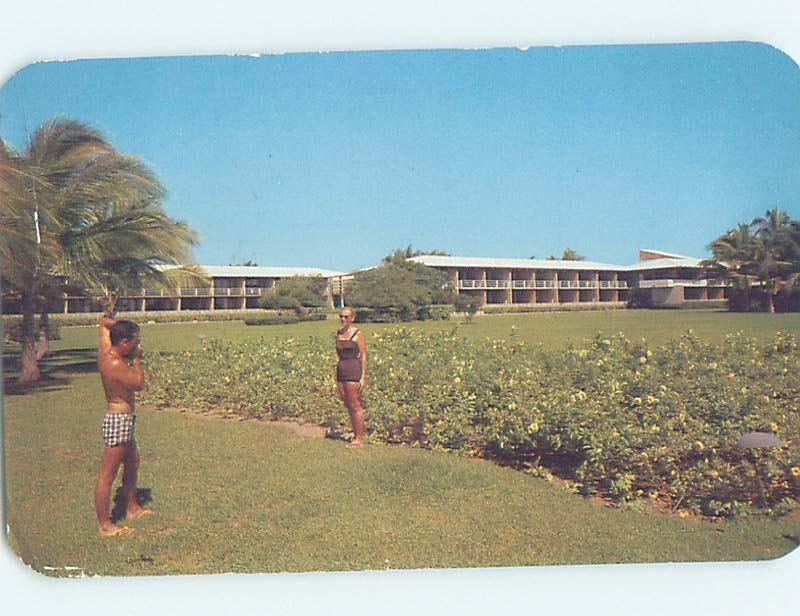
349, 366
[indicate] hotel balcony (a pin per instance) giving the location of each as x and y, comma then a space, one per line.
542, 284
670, 282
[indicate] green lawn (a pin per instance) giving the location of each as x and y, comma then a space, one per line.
552, 330
248, 496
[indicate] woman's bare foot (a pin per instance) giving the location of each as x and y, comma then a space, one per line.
112, 530
354, 444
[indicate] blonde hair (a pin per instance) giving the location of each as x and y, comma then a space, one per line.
350, 310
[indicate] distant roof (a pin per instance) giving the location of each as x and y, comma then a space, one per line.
553, 264
659, 254
257, 271
667, 263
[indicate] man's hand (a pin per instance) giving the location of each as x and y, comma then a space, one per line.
107, 322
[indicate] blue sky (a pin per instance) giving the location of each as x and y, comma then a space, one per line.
335, 159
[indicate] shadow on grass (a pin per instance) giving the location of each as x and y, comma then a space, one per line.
118, 512
792, 538
55, 370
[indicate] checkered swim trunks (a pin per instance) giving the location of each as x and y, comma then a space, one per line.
118, 428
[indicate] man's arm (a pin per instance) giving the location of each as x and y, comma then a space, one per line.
130, 376
105, 335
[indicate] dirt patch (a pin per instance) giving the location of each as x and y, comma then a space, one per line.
305, 430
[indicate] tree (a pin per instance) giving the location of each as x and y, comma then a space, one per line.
766, 252
776, 251
77, 212
401, 255
469, 306
400, 287
567, 255
297, 291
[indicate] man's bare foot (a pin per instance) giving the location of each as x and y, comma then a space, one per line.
139, 513
112, 530
354, 444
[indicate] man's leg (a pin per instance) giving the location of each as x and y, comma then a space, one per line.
112, 457
129, 476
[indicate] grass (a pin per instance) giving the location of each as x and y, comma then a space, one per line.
248, 496
552, 330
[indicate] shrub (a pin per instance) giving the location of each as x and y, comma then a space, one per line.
614, 417
576, 307
12, 330
285, 319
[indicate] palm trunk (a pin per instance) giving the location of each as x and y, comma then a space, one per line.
771, 299
29, 370
43, 349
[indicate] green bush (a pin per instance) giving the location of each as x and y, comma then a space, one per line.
613, 417
173, 316
285, 319
12, 330
524, 308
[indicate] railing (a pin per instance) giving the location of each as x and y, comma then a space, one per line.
669, 282
199, 292
484, 284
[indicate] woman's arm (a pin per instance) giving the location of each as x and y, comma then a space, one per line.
362, 349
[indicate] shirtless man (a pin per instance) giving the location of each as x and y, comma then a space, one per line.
119, 359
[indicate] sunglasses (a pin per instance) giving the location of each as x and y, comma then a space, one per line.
345, 316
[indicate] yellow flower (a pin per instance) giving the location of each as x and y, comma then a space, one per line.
698, 446
683, 513
713, 473
773, 427
642, 360
533, 428
795, 471
713, 365
649, 353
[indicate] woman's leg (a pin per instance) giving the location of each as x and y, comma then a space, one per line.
352, 400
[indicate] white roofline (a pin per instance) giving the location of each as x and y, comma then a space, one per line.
258, 271
553, 264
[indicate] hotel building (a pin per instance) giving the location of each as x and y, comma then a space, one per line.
667, 279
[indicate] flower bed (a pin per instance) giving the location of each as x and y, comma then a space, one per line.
613, 417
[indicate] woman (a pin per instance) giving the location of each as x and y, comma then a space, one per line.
351, 372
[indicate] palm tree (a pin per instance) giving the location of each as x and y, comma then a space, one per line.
81, 214
766, 251
732, 254
776, 236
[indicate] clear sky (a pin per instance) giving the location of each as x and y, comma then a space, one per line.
335, 159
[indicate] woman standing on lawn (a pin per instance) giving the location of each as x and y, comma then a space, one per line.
351, 371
